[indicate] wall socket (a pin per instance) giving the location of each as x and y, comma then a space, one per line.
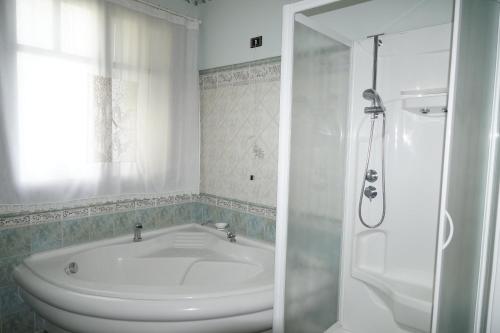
255, 42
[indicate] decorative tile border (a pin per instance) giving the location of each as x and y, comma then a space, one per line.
126, 205
41, 217
240, 206
33, 215
46, 217
75, 213
102, 209
255, 71
145, 203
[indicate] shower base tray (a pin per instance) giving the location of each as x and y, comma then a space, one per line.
410, 303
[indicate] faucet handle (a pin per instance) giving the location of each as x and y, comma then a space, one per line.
137, 232
231, 236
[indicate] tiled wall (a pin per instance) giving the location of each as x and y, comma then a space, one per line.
239, 131
27, 235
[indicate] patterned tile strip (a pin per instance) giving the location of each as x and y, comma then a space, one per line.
75, 213
37, 215
125, 205
102, 209
255, 71
40, 217
245, 207
145, 203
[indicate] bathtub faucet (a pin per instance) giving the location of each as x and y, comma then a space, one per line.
231, 236
137, 232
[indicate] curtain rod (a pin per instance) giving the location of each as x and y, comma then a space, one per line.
146, 3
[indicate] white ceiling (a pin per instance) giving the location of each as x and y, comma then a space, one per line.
385, 16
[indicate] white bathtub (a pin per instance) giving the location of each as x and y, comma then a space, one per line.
180, 279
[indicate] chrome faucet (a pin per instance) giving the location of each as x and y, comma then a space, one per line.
231, 236
137, 232
370, 192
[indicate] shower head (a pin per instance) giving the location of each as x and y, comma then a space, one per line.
370, 94
377, 104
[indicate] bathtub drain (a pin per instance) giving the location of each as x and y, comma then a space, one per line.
72, 268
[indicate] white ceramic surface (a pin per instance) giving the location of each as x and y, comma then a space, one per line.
389, 270
220, 225
180, 279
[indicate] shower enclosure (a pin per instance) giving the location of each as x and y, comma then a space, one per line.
379, 183
315, 213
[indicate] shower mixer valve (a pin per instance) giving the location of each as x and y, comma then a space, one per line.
375, 110
370, 192
371, 176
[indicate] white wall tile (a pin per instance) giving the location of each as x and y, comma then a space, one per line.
239, 129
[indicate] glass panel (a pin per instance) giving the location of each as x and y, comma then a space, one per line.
469, 162
317, 174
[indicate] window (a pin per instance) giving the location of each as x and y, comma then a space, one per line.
71, 115
97, 98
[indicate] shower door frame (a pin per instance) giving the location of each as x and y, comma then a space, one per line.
490, 235
441, 237
286, 94
291, 14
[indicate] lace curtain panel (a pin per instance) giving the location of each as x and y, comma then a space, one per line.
97, 99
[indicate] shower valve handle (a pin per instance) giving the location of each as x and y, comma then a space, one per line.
370, 192
371, 176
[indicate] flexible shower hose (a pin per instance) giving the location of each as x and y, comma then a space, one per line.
360, 206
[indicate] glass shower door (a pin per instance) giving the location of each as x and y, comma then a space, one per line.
320, 104
472, 180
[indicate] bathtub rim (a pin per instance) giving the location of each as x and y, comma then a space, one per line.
161, 293
62, 319
163, 308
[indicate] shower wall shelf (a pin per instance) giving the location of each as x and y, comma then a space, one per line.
431, 102
424, 92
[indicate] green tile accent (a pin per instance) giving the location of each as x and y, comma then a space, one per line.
124, 223
218, 214
14, 242
20, 322
46, 237
246, 224
197, 212
149, 218
40, 323
236, 221
7, 266
183, 214
270, 230
204, 212
10, 301
166, 216
76, 231
255, 227
101, 227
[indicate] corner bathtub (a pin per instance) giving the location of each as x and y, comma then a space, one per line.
180, 279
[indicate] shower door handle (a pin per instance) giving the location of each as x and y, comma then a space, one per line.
452, 229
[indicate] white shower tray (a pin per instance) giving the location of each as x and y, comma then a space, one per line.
410, 303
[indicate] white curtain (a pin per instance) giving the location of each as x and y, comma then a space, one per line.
97, 99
